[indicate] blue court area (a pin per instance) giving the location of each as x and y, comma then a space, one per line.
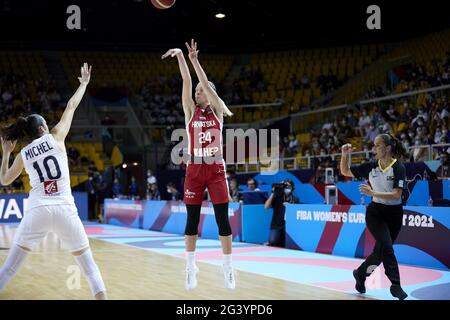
326, 271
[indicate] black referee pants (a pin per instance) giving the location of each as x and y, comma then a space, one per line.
384, 223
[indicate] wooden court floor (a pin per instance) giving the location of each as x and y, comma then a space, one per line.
137, 274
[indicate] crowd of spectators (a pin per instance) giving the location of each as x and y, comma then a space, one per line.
20, 96
412, 77
161, 101
416, 126
252, 80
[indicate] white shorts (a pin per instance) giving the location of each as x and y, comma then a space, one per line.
63, 220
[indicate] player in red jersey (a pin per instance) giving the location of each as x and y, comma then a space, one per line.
206, 167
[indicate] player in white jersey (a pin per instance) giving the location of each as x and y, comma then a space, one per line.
50, 205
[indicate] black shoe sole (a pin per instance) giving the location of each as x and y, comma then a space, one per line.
359, 287
402, 295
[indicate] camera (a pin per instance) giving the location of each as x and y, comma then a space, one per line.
278, 188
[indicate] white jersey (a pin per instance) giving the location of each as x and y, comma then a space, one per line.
47, 166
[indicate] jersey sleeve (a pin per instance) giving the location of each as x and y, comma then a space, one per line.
399, 176
362, 171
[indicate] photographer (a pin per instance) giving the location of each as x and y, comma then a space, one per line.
281, 193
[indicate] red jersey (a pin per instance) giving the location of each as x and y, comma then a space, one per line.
205, 141
204, 133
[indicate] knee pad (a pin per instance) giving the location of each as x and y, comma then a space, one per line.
193, 219
87, 264
223, 223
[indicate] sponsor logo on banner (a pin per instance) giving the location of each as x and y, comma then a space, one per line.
9, 208
125, 206
331, 216
14, 207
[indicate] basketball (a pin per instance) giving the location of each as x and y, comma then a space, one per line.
163, 4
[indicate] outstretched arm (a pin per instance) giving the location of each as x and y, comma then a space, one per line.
211, 94
8, 175
61, 130
186, 97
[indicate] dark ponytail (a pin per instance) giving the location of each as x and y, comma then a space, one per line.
397, 148
24, 129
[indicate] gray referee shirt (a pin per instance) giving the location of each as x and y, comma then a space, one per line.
393, 176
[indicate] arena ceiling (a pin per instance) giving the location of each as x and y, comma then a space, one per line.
249, 25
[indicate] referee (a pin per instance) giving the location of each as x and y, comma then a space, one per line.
384, 215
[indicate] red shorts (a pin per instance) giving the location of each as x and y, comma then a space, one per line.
202, 176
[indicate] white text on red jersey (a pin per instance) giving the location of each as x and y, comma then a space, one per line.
201, 124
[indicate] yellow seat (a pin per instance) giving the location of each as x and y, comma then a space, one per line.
248, 116
82, 179
306, 100
316, 93
401, 126
99, 164
257, 115
73, 181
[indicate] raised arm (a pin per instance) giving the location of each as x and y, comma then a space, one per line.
8, 175
186, 97
210, 93
61, 130
269, 201
344, 167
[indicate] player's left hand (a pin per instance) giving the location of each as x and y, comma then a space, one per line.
8, 146
366, 189
193, 52
85, 74
172, 52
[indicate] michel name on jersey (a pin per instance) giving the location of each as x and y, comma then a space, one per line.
38, 150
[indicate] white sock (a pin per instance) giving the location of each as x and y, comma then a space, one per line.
14, 261
227, 260
190, 259
90, 270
